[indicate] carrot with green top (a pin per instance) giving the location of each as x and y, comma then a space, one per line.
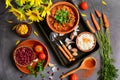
105, 20
95, 22
98, 13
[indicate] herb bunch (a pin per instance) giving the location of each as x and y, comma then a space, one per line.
39, 68
108, 70
62, 16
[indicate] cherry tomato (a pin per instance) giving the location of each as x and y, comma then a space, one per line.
38, 48
84, 5
42, 56
73, 77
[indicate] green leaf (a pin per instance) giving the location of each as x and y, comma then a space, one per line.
39, 66
27, 6
18, 2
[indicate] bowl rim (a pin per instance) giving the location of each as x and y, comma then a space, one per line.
86, 32
73, 8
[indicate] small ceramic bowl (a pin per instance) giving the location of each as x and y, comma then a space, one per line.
23, 56
63, 28
86, 41
23, 29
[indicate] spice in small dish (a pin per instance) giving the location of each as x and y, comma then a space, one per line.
86, 41
23, 29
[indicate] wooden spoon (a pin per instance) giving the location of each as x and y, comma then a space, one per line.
89, 60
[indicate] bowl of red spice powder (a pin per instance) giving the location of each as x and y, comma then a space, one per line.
23, 56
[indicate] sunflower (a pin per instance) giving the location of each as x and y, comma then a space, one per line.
46, 10
8, 3
22, 2
20, 16
34, 15
35, 2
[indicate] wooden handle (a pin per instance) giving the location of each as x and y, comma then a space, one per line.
68, 52
69, 73
64, 53
90, 27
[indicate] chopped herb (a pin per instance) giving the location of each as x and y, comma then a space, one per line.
62, 16
39, 66
32, 71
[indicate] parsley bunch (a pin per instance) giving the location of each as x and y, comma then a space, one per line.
62, 16
39, 68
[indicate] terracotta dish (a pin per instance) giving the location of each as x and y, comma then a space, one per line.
23, 29
65, 27
31, 43
86, 41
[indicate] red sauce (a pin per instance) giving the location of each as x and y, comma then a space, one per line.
24, 56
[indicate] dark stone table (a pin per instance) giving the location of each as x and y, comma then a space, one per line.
8, 38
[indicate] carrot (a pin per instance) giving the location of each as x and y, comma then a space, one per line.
95, 21
89, 26
105, 20
98, 13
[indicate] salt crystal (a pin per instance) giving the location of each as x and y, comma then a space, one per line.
61, 34
54, 69
35, 60
69, 47
31, 64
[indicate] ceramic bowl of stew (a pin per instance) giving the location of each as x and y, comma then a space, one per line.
63, 17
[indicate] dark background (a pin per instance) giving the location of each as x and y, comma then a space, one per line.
8, 38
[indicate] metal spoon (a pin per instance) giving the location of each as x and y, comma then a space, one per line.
53, 36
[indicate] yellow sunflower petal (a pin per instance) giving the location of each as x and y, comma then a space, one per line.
104, 3
20, 16
17, 42
8, 3
36, 34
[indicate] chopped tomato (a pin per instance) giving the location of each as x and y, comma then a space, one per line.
38, 48
74, 77
42, 56
84, 5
